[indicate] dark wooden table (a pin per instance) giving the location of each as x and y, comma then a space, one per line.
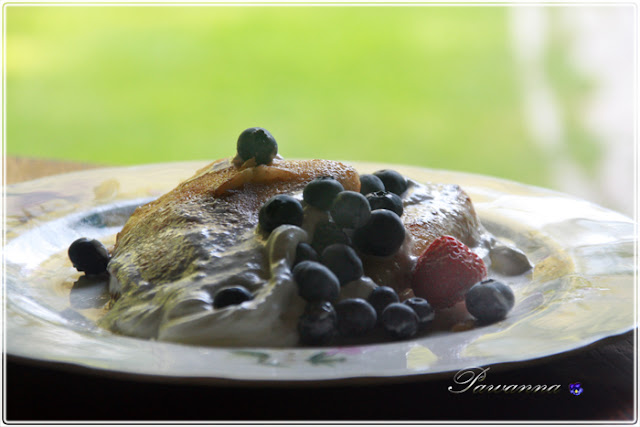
606, 372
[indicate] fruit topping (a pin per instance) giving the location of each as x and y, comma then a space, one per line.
370, 183
489, 301
381, 297
88, 255
233, 295
509, 261
445, 272
278, 210
399, 320
316, 282
257, 143
423, 309
321, 192
304, 252
386, 200
393, 181
350, 210
382, 235
318, 323
343, 261
327, 233
356, 317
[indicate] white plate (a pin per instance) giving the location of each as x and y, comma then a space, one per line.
581, 290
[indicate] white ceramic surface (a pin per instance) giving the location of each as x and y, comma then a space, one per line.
581, 290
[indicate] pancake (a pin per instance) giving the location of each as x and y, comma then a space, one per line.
175, 253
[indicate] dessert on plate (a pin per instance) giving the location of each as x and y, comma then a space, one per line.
257, 250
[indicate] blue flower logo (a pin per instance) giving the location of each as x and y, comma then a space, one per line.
575, 389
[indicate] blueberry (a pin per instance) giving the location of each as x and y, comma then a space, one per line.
356, 317
343, 261
392, 180
321, 192
328, 233
381, 297
259, 143
316, 282
89, 256
489, 300
278, 210
304, 252
233, 295
382, 235
423, 309
350, 210
386, 200
370, 184
318, 324
399, 320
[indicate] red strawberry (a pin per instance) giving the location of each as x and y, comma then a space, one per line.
445, 272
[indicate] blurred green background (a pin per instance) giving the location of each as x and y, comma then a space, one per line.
430, 86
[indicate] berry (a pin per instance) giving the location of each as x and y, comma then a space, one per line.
321, 192
343, 261
399, 320
382, 235
350, 210
231, 296
259, 143
423, 309
316, 282
445, 271
393, 181
386, 200
304, 252
381, 297
278, 210
328, 233
318, 323
356, 317
509, 261
89, 256
489, 300
370, 184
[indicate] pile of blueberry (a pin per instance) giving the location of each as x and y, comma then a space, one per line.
369, 220
364, 223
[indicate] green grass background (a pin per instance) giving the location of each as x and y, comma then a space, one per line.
427, 86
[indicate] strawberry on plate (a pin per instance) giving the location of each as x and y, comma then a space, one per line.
445, 271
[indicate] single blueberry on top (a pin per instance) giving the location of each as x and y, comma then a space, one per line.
350, 210
318, 324
316, 282
279, 210
489, 300
386, 200
233, 295
259, 143
88, 255
321, 192
382, 235
393, 181
343, 261
370, 183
